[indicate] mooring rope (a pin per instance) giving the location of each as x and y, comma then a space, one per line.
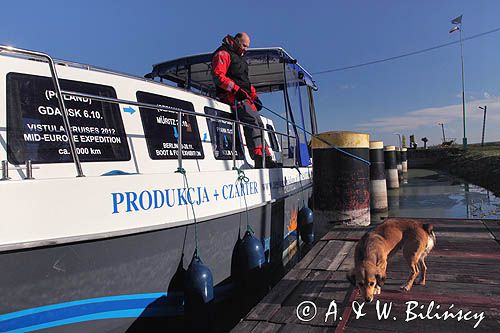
242, 178
182, 171
317, 137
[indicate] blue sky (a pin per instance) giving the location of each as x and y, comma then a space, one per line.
408, 95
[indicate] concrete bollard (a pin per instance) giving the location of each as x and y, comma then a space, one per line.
378, 187
341, 183
404, 160
391, 171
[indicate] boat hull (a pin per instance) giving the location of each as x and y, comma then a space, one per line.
108, 284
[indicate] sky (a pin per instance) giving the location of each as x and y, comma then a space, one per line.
410, 95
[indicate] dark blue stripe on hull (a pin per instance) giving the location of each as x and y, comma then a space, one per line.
91, 309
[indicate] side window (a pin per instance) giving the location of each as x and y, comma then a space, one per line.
161, 131
35, 128
273, 140
221, 135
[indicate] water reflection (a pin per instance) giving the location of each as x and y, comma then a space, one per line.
428, 193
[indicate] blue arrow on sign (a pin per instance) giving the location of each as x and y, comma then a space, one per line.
176, 134
204, 137
129, 109
226, 143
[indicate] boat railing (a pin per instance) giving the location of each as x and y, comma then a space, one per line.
180, 112
55, 80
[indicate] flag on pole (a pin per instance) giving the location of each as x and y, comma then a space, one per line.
455, 29
457, 20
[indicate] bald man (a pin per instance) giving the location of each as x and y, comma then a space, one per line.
230, 75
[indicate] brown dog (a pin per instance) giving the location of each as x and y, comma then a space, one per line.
374, 248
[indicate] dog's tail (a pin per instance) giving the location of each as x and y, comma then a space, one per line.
429, 228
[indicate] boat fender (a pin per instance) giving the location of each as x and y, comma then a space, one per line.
199, 285
305, 221
198, 297
251, 253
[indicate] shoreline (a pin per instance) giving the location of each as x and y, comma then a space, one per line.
477, 165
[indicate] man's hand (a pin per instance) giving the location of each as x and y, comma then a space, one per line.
258, 104
241, 95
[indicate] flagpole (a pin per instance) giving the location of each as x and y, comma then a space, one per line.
464, 140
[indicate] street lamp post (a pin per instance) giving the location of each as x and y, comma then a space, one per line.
484, 123
442, 127
458, 21
399, 135
464, 140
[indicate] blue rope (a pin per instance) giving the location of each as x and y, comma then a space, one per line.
317, 137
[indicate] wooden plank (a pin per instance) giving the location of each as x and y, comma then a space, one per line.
460, 276
458, 291
316, 329
467, 255
463, 234
245, 326
341, 255
348, 262
493, 227
427, 297
309, 257
431, 276
367, 330
265, 327
446, 265
271, 303
304, 328
295, 328
337, 289
307, 290
470, 245
437, 220
467, 260
346, 233
327, 255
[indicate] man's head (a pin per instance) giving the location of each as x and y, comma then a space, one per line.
243, 41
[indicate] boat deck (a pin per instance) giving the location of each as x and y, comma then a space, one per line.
463, 270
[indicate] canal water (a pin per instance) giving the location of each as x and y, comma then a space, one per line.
428, 193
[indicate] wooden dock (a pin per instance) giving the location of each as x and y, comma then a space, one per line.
463, 270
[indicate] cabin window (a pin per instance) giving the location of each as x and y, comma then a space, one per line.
221, 135
273, 141
161, 131
35, 128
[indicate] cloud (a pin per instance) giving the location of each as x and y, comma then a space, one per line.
431, 116
474, 95
346, 86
